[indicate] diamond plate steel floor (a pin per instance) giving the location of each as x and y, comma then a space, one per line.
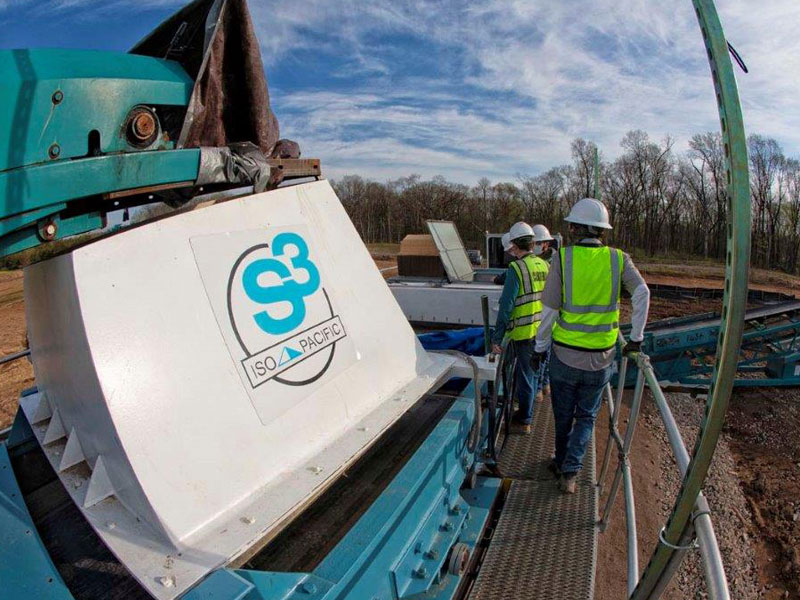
545, 543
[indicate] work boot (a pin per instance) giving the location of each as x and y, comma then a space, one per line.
519, 424
568, 482
517, 418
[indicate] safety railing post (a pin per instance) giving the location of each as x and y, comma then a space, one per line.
630, 526
625, 449
623, 373
613, 415
612, 424
713, 567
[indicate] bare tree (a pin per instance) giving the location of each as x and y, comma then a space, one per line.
658, 202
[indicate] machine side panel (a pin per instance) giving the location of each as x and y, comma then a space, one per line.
132, 349
25, 567
67, 374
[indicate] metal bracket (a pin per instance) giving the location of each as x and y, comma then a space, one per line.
693, 546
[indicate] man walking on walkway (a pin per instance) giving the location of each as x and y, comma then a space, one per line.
519, 315
580, 317
542, 247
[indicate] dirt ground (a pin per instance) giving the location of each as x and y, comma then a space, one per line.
753, 489
18, 375
763, 429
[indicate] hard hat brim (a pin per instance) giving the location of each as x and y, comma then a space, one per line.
597, 224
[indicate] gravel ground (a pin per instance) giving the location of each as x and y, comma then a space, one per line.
730, 511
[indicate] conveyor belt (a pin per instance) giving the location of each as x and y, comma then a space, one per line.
712, 319
545, 543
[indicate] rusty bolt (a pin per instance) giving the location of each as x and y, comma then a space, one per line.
144, 125
58, 97
54, 151
48, 230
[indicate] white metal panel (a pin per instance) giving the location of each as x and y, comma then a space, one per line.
451, 250
448, 304
128, 346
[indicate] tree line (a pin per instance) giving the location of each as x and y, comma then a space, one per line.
660, 201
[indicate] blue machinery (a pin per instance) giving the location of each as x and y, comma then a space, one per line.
418, 537
92, 133
414, 541
682, 350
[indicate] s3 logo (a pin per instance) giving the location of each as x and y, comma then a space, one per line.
289, 290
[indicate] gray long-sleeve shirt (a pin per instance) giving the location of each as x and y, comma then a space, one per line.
551, 299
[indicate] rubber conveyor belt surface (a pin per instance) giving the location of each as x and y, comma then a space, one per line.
545, 544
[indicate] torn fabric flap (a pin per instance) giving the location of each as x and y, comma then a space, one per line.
215, 42
239, 163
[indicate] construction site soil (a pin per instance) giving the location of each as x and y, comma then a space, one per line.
753, 487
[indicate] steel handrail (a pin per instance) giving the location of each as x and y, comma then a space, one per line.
734, 303
623, 470
700, 522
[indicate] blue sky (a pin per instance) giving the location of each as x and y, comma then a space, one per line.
385, 88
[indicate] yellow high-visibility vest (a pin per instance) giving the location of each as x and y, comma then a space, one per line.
591, 284
531, 272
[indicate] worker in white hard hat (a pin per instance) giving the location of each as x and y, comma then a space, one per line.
543, 248
519, 315
542, 242
580, 318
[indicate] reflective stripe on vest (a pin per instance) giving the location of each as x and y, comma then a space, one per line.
531, 273
591, 286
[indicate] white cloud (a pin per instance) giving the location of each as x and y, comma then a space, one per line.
582, 68
542, 73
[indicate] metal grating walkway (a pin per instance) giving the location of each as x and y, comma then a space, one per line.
545, 543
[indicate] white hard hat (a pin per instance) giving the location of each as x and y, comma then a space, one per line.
505, 239
591, 212
520, 230
541, 234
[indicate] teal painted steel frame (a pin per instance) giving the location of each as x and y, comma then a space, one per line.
399, 547
674, 355
44, 190
25, 566
53, 98
58, 108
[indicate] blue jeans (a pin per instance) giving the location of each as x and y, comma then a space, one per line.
544, 376
577, 396
525, 378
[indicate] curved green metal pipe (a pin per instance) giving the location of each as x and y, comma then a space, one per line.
735, 295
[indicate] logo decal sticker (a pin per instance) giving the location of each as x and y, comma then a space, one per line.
280, 280
268, 292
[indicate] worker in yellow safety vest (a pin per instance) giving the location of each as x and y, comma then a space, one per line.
519, 315
580, 318
543, 245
